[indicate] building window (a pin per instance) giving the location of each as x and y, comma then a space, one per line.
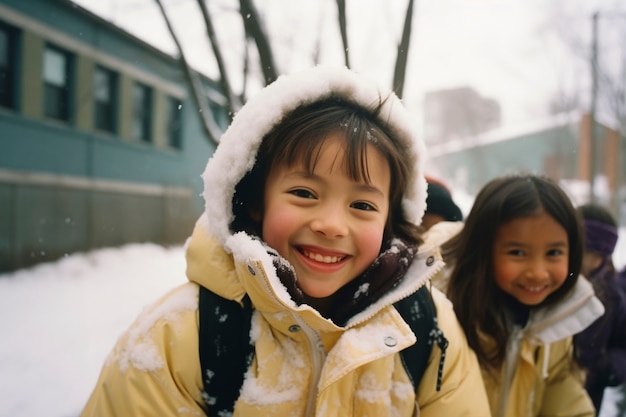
142, 110
56, 77
8, 39
174, 123
105, 88
217, 104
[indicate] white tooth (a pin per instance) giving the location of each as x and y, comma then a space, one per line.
321, 258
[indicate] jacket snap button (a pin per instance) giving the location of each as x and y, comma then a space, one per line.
390, 341
430, 260
251, 270
294, 328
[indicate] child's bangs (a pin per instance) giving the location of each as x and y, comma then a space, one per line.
306, 148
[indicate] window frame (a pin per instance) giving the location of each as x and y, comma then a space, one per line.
8, 99
62, 110
174, 126
142, 113
108, 121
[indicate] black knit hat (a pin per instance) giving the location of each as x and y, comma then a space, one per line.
439, 201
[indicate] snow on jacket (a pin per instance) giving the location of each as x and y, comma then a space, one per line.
537, 377
435, 237
304, 364
602, 346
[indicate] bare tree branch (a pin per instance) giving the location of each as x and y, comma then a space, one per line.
611, 85
246, 70
233, 103
255, 30
343, 23
399, 72
316, 53
613, 89
210, 127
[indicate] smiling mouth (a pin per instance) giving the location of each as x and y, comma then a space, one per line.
327, 259
535, 289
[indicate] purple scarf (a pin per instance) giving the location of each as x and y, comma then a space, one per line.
600, 237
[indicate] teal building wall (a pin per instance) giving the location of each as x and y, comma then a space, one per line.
550, 150
66, 186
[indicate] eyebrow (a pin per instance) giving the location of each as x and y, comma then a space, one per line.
361, 187
513, 243
370, 189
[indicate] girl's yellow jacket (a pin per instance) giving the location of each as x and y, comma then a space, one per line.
304, 364
544, 384
538, 378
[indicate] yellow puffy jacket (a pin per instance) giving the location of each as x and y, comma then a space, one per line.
436, 237
538, 377
319, 370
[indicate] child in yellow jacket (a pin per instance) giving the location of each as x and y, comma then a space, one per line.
313, 198
516, 290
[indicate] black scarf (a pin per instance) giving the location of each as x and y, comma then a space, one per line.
385, 273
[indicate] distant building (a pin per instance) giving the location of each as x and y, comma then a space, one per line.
558, 147
100, 142
458, 112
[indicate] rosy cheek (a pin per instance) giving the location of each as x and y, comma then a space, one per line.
370, 239
563, 272
276, 228
502, 275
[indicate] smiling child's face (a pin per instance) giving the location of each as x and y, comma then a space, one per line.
327, 225
531, 257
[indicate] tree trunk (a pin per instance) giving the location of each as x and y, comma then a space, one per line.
399, 72
210, 127
254, 29
343, 28
233, 103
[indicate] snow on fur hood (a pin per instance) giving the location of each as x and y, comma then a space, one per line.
236, 153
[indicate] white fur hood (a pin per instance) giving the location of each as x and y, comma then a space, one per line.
236, 153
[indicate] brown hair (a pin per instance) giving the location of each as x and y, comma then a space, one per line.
299, 138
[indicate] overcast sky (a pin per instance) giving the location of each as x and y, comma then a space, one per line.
520, 53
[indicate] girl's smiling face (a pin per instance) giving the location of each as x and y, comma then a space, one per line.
326, 224
531, 257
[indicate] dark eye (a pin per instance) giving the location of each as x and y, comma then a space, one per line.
360, 205
302, 193
516, 252
555, 252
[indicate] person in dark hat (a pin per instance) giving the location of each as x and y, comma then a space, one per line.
439, 205
442, 220
602, 346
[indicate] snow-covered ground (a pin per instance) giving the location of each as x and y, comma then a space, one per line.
59, 321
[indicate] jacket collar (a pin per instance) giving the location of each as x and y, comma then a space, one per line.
568, 317
245, 266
